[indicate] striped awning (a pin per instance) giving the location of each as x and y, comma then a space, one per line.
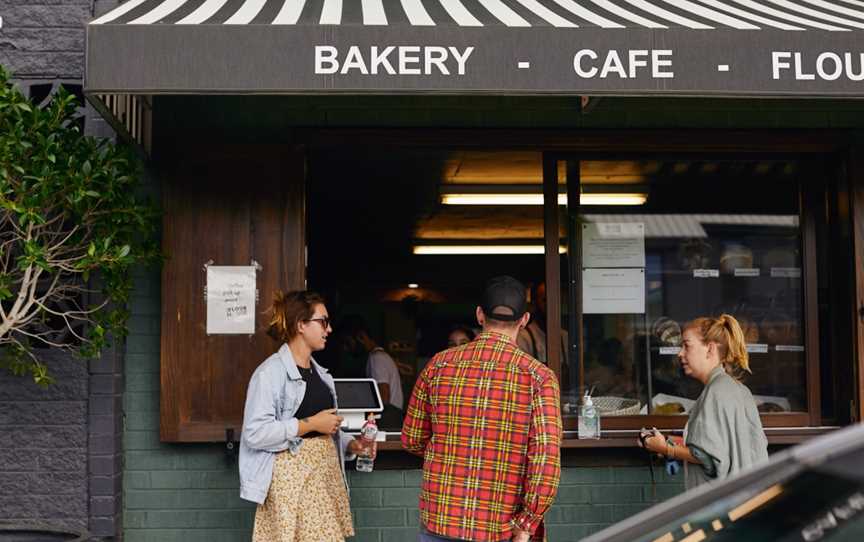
625, 47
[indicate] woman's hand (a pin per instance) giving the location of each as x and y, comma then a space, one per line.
655, 443
326, 422
520, 536
359, 446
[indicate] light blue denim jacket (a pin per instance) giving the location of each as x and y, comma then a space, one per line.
269, 426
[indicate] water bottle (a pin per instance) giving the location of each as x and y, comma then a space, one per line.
589, 419
365, 463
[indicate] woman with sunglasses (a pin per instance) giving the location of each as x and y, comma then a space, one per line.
292, 451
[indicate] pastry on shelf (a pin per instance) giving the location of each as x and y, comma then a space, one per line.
669, 409
735, 256
667, 331
695, 254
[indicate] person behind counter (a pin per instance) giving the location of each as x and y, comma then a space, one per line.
724, 433
460, 335
292, 452
380, 366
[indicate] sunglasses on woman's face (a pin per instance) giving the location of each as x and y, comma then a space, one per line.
324, 321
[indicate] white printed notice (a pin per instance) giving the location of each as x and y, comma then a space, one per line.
230, 299
613, 244
613, 291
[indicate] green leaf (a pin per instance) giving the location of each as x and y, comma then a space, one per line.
54, 177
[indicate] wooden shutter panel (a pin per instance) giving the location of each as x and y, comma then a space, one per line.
231, 206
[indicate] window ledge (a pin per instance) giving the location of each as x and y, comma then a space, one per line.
626, 438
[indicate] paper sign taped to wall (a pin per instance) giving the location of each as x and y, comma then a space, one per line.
613, 291
613, 244
230, 299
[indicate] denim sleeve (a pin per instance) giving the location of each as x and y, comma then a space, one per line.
709, 467
261, 429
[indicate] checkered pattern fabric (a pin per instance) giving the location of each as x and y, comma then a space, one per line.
486, 418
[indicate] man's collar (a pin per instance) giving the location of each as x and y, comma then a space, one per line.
496, 336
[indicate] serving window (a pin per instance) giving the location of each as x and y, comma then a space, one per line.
644, 244
619, 252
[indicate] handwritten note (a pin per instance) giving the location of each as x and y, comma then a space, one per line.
230, 299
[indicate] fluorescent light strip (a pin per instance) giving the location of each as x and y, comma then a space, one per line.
479, 250
598, 198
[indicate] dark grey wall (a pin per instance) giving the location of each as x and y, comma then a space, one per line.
61, 456
60, 461
43, 460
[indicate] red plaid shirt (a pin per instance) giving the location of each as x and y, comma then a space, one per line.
486, 418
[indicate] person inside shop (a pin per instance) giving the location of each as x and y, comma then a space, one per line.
724, 433
532, 338
606, 372
460, 335
447, 423
292, 451
380, 366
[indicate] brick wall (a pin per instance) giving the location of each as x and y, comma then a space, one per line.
44, 38
43, 460
384, 503
64, 467
60, 466
171, 492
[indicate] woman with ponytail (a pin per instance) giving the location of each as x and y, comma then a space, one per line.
724, 433
292, 451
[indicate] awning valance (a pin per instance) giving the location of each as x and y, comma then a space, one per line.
620, 47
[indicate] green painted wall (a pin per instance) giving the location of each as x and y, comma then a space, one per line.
190, 492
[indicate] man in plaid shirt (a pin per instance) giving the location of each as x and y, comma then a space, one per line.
486, 419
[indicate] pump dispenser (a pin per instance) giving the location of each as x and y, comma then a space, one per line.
589, 419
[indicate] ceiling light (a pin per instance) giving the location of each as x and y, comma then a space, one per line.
612, 198
493, 195
479, 250
413, 285
497, 199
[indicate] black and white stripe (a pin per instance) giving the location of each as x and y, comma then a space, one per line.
797, 15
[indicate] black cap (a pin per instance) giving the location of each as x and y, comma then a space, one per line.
507, 292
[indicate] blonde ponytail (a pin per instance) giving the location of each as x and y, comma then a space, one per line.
726, 333
737, 360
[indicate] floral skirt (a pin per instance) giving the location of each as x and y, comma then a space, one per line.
307, 501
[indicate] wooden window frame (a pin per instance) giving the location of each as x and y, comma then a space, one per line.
807, 198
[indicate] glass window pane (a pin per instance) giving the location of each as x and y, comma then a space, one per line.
664, 241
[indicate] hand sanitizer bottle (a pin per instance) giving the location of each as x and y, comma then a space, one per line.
589, 419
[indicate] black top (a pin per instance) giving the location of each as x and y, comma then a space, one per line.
316, 398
